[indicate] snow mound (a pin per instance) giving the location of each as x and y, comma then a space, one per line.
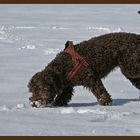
19, 106
118, 30
57, 28
49, 51
105, 29
40, 27
3, 35
95, 111
4, 108
25, 27
116, 115
28, 47
67, 110
7, 34
81, 111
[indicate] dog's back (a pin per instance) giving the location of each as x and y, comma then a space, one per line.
107, 51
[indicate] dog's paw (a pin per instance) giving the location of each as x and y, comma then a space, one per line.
106, 101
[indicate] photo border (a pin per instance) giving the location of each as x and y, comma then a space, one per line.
69, 2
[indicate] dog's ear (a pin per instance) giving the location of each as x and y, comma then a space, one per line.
59, 82
56, 80
49, 78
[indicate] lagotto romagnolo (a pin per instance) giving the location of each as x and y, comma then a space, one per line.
102, 54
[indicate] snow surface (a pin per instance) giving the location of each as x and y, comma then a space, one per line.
30, 37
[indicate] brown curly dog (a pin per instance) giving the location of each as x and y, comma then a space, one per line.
52, 87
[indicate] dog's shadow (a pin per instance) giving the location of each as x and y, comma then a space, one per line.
116, 102
82, 104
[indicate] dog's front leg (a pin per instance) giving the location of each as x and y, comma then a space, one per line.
100, 92
64, 96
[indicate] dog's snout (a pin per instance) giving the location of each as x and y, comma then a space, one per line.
35, 104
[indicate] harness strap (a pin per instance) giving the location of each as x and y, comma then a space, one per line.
74, 70
77, 60
71, 51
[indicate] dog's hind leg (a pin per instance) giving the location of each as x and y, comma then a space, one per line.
100, 92
132, 71
63, 98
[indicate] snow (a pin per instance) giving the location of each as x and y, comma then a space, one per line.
30, 47
19, 106
51, 51
30, 37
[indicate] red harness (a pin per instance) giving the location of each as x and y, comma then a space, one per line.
77, 60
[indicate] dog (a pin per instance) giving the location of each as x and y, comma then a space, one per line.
85, 64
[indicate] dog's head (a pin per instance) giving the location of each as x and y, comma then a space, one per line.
44, 86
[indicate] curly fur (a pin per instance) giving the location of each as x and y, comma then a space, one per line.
103, 54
